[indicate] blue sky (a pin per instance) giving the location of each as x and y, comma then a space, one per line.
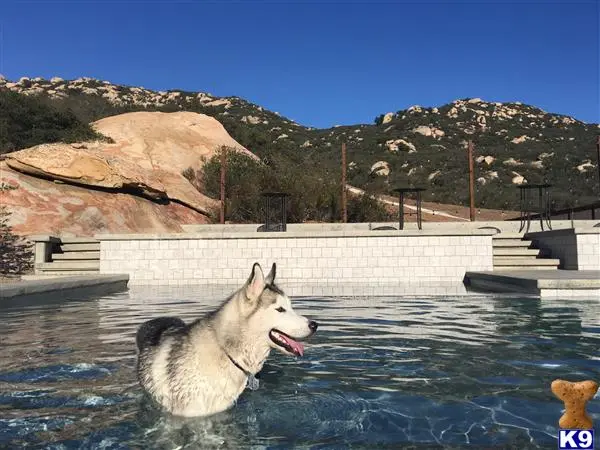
320, 63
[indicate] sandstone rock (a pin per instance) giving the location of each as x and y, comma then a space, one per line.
545, 155
394, 146
583, 167
387, 118
150, 152
474, 100
380, 168
428, 131
306, 144
536, 164
56, 80
518, 178
253, 120
220, 102
512, 162
433, 175
520, 139
42, 207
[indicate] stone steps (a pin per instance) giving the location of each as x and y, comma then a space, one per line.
511, 263
72, 256
70, 266
512, 252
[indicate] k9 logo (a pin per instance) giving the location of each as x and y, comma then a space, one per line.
570, 439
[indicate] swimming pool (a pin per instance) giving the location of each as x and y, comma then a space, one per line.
381, 372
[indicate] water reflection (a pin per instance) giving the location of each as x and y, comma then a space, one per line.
426, 372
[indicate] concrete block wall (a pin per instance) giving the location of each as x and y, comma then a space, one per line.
381, 262
588, 251
577, 248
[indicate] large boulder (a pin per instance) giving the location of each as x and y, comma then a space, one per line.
140, 171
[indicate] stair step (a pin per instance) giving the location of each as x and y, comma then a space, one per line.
509, 236
81, 247
517, 251
510, 243
79, 240
86, 255
521, 268
69, 265
510, 261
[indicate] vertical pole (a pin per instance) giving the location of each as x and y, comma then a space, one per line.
223, 169
598, 161
344, 200
471, 183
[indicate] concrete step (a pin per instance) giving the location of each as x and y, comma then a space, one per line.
510, 261
517, 251
525, 263
510, 243
85, 255
527, 281
79, 240
81, 247
53, 274
509, 236
69, 266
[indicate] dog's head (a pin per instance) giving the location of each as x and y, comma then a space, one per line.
269, 312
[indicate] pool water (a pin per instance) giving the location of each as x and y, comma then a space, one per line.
381, 372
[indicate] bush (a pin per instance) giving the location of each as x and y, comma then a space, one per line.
26, 121
16, 255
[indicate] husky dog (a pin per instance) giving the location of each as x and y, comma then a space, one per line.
202, 368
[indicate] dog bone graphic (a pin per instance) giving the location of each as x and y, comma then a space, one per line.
575, 395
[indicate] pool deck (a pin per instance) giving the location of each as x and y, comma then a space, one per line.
544, 283
96, 284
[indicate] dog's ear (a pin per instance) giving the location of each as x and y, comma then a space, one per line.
271, 276
256, 283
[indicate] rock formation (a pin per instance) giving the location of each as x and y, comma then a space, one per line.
133, 184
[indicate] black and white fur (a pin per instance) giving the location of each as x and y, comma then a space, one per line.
201, 368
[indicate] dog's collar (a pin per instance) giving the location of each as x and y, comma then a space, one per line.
252, 380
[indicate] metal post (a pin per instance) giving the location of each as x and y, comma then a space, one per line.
419, 213
598, 161
344, 204
401, 210
471, 183
223, 169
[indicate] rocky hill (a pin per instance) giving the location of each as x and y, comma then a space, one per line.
514, 143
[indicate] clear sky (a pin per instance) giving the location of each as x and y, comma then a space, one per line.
320, 63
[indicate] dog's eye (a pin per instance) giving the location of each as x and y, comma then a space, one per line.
280, 309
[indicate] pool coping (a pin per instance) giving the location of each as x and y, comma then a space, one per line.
98, 283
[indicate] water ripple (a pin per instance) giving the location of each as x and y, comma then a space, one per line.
425, 372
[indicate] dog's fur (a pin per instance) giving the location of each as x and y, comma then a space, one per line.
202, 368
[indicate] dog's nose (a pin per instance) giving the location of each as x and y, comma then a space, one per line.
313, 326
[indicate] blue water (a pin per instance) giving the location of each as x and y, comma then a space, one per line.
426, 373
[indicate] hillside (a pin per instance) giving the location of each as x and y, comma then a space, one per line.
514, 143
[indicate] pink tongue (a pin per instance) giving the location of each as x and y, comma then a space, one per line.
297, 346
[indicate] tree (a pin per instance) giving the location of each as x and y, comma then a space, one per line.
16, 254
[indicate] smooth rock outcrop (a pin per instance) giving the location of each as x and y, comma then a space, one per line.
133, 184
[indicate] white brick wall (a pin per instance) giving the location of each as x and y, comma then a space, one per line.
588, 251
307, 265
